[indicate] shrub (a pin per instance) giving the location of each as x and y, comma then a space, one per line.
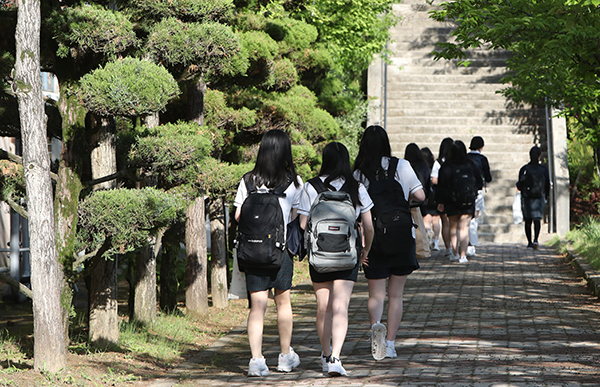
129, 87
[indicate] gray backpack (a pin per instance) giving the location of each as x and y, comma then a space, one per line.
332, 238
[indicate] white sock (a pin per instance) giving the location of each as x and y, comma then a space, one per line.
391, 343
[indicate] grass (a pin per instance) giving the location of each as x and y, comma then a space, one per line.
585, 240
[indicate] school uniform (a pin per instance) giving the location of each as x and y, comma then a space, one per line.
261, 279
309, 194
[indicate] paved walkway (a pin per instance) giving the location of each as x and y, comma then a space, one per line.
510, 317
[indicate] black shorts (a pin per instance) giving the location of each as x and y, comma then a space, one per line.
350, 275
406, 267
260, 280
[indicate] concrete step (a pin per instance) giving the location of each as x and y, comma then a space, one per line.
460, 130
473, 121
495, 107
476, 87
513, 116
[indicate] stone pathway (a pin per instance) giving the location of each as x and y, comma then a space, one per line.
510, 317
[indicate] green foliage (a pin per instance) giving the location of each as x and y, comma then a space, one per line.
291, 34
586, 240
127, 216
171, 154
282, 76
553, 46
128, 87
185, 10
202, 48
218, 178
91, 28
354, 31
582, 170
12, 181
259, 46
219, 115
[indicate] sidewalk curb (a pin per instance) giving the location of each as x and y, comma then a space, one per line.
585, 270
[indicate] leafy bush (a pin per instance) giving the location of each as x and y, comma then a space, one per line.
129, 87
259, 45
282, 75
208, 47
128, 217
187, 10
586, 240
291, 33
582, 170
91, 28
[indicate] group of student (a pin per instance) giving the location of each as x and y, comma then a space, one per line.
372, 169
455, 184
378, 189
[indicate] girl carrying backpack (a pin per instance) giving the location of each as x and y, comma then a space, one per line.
456, 194
273, 174
374, 159
334, 288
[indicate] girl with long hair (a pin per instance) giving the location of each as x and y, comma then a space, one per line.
333, 289
273, 168
375, 153
432, 226
445, 146
459, 217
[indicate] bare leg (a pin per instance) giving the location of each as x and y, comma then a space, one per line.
395, 304
376, 299
285, 319
342, 290
436, 226
446, 231
453, 229
463, 233
256, 321
323, 292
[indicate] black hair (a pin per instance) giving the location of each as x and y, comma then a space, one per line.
476, 143
413, 154
445, 146
535, 153
374, 145
428, 156
458, 153
274, 165
336, 163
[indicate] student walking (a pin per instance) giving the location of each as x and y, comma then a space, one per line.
333, 288
482, 164
413, 155
431, 217
393, 182
456, 194
273, 174
534, 184
445, 146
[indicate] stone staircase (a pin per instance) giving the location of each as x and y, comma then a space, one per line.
423, 101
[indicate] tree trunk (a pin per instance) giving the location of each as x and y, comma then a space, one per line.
218, 254
49, 348
168, 270
196, 91
144, 303
103, 314
196, 292
151, 120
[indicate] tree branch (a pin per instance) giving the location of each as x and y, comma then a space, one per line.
17, 207
5, 155
94, 256
121, 173
16, 284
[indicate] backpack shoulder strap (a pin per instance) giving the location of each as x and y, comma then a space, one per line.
391, 171
318, 184
250, 187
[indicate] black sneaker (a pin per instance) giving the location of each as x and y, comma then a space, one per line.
535, 245
530, 245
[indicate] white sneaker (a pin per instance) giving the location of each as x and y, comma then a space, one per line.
436, 246
390, 350
470, 251
378, 333
452, 257
258, 367
288, 362
335, 367
463, 260
325, 363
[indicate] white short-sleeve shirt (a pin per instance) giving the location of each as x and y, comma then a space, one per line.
309, 194
435, 170
287, 203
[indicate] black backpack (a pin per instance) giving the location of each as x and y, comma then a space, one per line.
533, 183
261, 237
391, 214
464, 186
